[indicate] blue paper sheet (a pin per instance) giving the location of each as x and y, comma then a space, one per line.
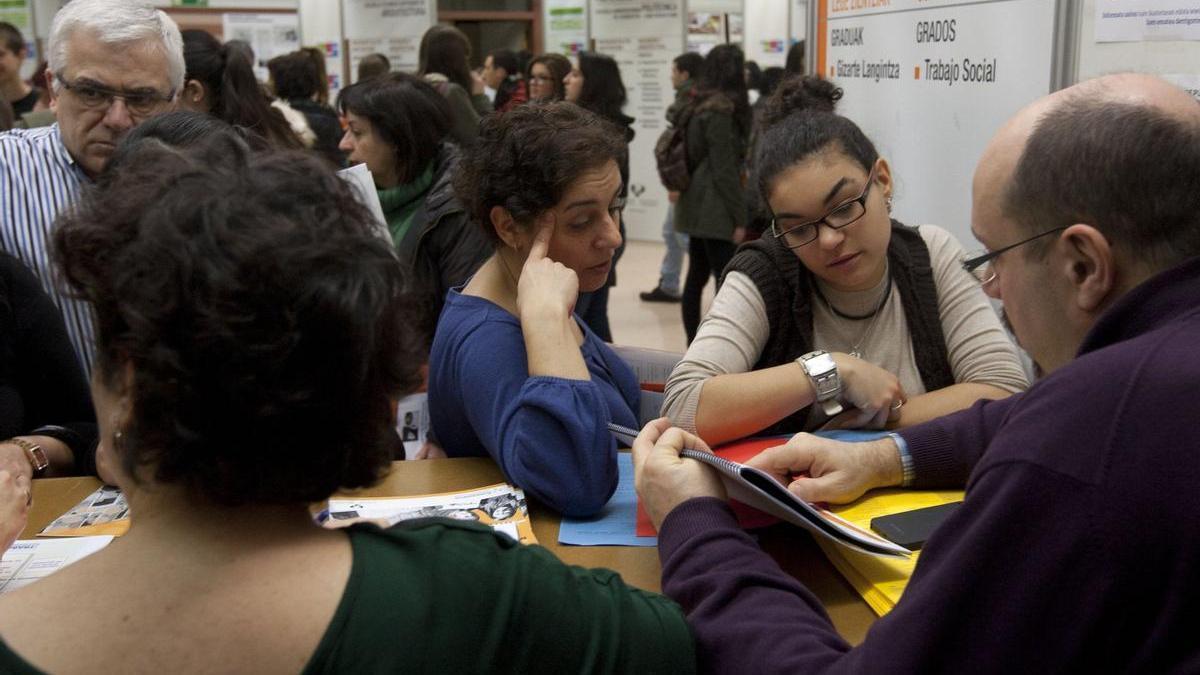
616, 524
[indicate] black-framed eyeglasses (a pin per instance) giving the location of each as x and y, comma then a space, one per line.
97, 97
979, 263
797, 233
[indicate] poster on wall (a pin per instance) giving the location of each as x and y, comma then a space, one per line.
270, 35
1138, 20
767, 32
566, 26
333, 67
644, 36
389, 27
931, 85
705, 30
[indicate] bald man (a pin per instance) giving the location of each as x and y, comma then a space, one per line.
1077, 547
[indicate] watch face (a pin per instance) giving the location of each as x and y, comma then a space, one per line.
820, 364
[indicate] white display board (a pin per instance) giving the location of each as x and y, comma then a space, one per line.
767, 32
389, 27
321, 27
1177, 60
930, 81
644, 36
1137, 20
799, 21
565, 26
269, 34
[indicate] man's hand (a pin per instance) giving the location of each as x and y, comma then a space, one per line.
836, 472
665, 480
14, 461
14, 507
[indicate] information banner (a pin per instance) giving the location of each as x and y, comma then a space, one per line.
1138, 20
930, 82
644, 36
389, 27
270, 35
566, 25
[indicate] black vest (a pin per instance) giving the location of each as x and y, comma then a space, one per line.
786, 288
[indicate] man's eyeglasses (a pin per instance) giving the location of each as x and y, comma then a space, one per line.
797, 233
96, 97
979, 263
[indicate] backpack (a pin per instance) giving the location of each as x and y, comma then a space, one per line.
671, 155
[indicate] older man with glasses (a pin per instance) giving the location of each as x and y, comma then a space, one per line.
113, 63
1075, 549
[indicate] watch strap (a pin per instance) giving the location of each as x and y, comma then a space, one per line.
34, 453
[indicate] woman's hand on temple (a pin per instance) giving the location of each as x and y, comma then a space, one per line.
546, 289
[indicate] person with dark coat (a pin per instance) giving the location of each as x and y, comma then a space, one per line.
295, 79
399, 126
595, 85
712, 210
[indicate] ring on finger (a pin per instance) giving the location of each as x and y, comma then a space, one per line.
898, 404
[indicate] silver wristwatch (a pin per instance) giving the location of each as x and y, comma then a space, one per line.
822, 372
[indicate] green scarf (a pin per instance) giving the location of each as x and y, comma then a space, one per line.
400, 203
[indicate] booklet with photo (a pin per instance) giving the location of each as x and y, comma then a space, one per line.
28, 560
104, 512
760, 490
501, 506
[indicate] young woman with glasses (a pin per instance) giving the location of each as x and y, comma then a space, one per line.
838, 305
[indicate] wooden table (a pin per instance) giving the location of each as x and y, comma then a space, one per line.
794, 549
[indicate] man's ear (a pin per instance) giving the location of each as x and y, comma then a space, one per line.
1089, 266
507, 228
52, 89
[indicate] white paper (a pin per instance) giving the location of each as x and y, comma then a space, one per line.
106, 505
363, 184
1138, 20
28, 560
270, 35
502, 506
1188, 82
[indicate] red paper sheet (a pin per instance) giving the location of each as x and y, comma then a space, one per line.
738, 451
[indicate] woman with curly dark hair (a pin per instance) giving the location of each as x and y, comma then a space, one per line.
252, 334
514, 372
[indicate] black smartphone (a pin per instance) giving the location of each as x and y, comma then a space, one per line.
910, 529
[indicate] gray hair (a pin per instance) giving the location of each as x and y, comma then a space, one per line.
117, 22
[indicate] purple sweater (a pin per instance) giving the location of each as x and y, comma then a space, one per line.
1077, 548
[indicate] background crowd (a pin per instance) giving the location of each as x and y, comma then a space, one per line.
175, 235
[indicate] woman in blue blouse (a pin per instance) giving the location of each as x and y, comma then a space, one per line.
513, 373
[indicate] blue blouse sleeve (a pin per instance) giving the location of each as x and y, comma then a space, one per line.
548, 434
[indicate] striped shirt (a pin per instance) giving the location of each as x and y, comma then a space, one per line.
38, 180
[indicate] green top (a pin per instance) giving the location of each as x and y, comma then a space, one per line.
400, 203
450, 597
